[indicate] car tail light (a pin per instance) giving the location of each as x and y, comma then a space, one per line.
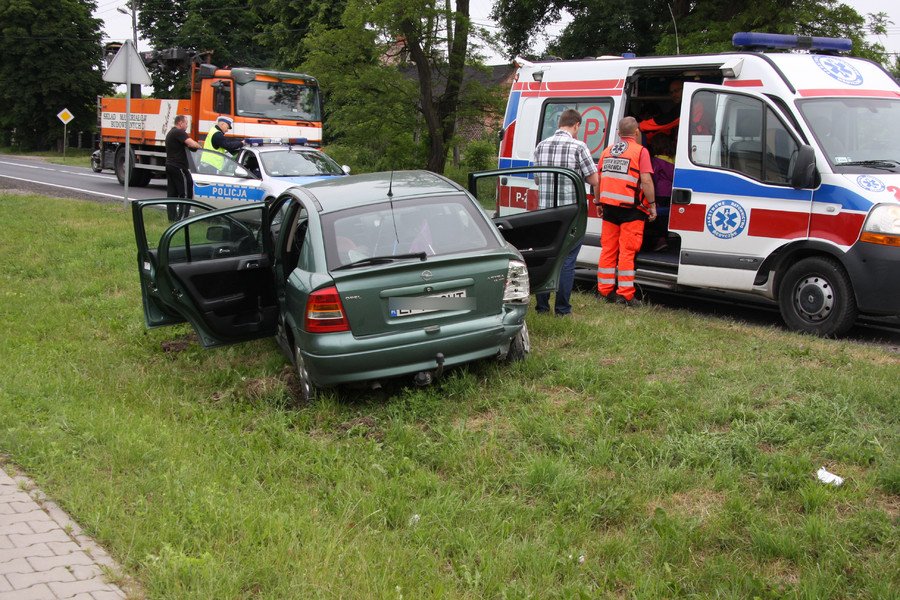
517, 287
325, 313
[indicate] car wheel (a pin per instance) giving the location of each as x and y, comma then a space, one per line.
306, 390
816, 296
520, 345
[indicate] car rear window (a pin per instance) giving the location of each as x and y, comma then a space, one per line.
435, 226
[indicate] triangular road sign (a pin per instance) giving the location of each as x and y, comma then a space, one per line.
127, 55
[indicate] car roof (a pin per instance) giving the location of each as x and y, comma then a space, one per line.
358, 190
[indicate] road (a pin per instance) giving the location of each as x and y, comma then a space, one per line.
36, 175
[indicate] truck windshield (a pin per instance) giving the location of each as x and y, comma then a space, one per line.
858, 135
278, 100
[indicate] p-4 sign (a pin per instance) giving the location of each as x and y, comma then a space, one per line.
65, 116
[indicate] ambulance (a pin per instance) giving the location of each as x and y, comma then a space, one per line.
788, 193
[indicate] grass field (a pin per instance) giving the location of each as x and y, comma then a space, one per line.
636, 453
75, 157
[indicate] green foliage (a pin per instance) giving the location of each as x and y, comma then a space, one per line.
50, 61
392, 105
646, 26
480, 155
368, 105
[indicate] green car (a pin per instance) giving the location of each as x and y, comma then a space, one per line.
361, 278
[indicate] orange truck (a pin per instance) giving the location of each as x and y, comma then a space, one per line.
263, 104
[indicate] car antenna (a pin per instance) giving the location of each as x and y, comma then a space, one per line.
390, 195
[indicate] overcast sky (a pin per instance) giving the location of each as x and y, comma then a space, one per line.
118, 26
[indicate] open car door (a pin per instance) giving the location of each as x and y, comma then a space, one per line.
550, 221
212, 269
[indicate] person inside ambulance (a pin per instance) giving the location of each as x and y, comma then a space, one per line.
666, 122
626, 200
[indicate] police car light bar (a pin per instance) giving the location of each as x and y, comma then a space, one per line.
289, 141
746, 39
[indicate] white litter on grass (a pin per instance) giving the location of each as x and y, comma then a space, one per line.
414, 520
829, 478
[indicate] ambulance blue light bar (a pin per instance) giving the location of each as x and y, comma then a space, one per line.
746, 39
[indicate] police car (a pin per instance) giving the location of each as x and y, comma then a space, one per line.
260, 171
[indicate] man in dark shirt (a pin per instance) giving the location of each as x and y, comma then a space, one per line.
178, 174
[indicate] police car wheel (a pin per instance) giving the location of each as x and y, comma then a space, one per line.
815, 296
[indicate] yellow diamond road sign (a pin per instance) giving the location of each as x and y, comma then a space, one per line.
65, 116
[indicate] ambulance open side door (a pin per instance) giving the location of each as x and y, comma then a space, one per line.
732, 199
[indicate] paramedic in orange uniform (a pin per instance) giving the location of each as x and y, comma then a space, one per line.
626, 200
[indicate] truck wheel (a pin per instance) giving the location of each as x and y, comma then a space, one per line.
816, 296
520, 345
96, 162
139, 177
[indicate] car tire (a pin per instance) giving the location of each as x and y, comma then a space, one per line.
816, 296
519, 346
96, 162
305, 390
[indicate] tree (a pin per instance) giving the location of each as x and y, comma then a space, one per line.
51, 60
357, 67
646, 26
226, 28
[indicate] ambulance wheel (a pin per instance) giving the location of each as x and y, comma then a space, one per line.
815, 296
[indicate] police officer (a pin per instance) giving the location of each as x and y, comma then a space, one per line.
626, 199
217, 142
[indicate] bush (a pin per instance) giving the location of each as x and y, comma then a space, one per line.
480, 155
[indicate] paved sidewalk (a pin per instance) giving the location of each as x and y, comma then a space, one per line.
43, 553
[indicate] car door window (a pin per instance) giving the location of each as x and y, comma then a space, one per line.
753, 140
210, 162
215, 237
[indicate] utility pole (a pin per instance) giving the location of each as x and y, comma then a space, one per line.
132, 8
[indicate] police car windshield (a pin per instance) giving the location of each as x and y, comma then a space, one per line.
294, 163
858, 135
278, 100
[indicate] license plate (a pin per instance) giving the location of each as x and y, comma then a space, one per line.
404, 307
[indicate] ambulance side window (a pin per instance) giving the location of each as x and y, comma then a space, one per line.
594, 125
752, 139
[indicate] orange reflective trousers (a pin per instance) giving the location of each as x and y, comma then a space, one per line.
619, 245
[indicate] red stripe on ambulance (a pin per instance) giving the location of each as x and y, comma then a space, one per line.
777, 224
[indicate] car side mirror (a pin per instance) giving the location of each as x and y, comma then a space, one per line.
217, 233
240, 171
804, 174
345, 169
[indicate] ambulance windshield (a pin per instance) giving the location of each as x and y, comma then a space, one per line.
278, 100
858, 135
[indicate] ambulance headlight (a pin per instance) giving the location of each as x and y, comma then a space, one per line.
517, 287
883, 226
